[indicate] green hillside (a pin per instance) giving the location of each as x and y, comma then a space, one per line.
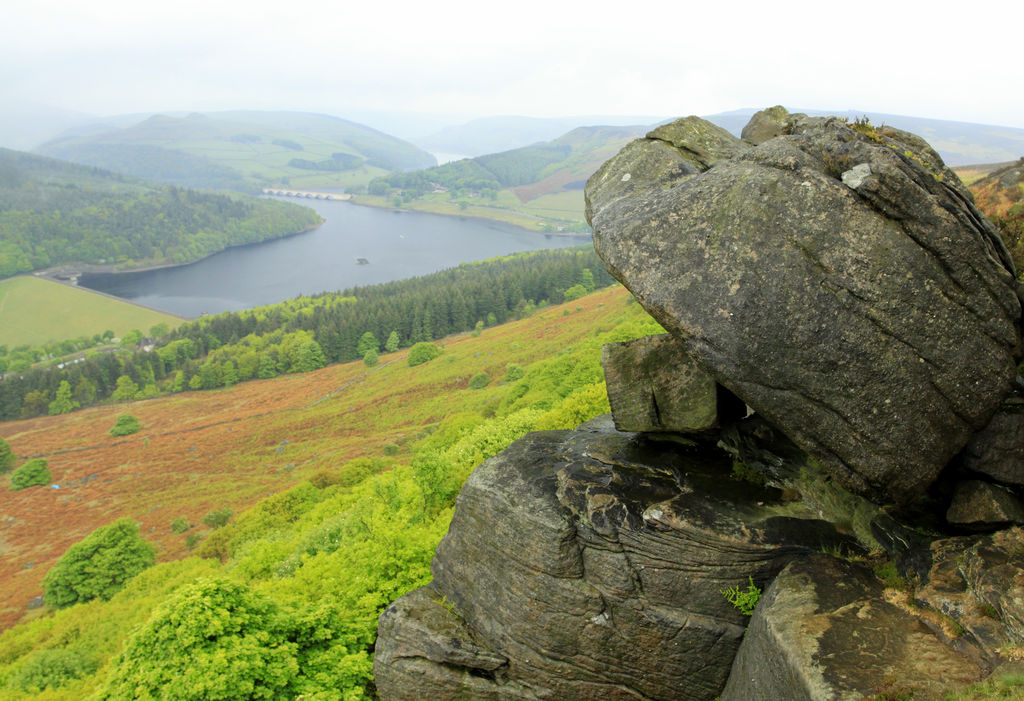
241, 150
357, 469
53, 212
34, 311
538, 187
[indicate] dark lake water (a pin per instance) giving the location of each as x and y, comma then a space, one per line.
396, 244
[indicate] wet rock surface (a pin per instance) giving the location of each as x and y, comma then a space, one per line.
876, 322
593, 561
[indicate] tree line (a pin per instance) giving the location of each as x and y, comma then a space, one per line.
307, 333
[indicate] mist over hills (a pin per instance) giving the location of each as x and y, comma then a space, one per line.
239, 150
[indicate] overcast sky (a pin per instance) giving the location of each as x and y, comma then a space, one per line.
525, 57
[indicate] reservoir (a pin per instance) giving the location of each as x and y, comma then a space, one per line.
357, 245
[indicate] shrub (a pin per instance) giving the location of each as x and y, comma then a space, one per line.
370, 358
391, 449
99, 565
216, 519
423, 352
513, 372
192, 540
7, 457
30, 474
180, 525
51, 669
479, 381
125, 425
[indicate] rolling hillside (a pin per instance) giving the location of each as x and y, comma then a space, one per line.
538, 187
53, 212
343, 444
240, 150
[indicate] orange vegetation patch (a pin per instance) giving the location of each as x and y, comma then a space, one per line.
230, 448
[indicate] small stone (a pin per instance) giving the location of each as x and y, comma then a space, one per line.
855, 177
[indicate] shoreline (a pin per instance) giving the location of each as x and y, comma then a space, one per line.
68, 273
478, 217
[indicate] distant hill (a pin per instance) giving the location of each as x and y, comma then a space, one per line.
958, 143
53, 212
538, 186
493, 134
241, 150
1000, 195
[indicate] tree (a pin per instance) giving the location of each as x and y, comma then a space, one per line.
63, 403
7, 457
31, 473
99, 565
126, 389
575, 292
422, 352
131, 338
370, 358
218, 518
366, 342
587, 280
159, 330
391, 345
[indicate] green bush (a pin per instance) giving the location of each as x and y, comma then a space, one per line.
216, 519
98, 566
423, 352
192, 540
125, 425
51, 669
30, 474
479, 381
513, 372
370, 358
7, 457
180, 525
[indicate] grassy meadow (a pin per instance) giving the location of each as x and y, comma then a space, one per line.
34, 311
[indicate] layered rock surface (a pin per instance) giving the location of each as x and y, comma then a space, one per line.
589, 564
839, 280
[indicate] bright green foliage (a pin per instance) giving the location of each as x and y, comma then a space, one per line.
63, 403
367, 342
131, 338
31, 473
51, 668
587, 280
744, 600
479, 380
211, 640
478, 329
180, 525
391, 345
423, 352
513, 372
370, 358
218, 518
574, 293
125, 425
7, 457
126, 389
99, 565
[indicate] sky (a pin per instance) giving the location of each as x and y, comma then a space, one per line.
546, 58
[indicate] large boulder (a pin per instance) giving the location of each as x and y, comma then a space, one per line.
589, 564
836, 277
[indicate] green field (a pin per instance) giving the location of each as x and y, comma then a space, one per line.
34, 311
